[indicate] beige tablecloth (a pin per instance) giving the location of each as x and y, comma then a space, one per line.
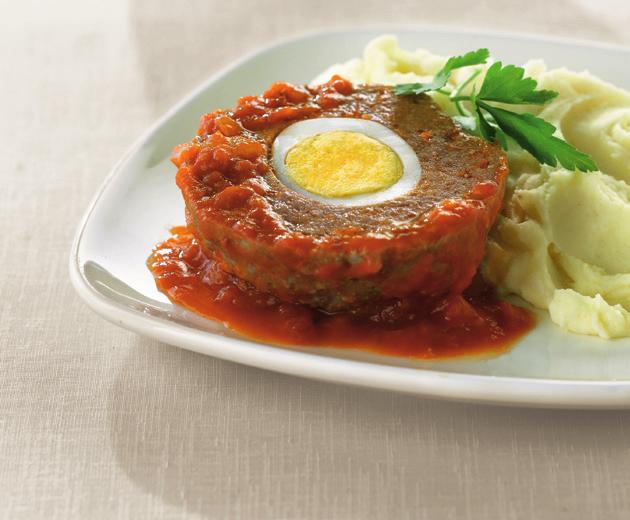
97, 422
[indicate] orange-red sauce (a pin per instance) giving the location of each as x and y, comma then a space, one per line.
473, 323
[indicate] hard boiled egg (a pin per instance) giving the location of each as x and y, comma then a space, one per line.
345, 161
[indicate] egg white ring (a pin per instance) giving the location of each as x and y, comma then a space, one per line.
301, 130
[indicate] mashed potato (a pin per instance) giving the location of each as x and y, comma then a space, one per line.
384, 62
563, 240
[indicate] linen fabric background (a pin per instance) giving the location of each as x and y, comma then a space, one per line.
97, 422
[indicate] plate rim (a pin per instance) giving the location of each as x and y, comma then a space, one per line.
479, 388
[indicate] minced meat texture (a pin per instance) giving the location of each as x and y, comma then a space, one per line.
452, 164
424, 244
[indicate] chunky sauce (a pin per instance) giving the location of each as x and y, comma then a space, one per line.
427, 241
474, 323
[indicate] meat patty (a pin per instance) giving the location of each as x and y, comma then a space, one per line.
427, 242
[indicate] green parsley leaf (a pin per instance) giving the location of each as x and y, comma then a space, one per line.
501, 137
536, 136
506, 84
477, 57
486, 130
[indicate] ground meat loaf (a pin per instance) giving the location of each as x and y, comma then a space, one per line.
427, 242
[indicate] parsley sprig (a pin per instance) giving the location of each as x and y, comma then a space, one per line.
505, 84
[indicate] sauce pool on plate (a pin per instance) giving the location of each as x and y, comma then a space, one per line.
474, 323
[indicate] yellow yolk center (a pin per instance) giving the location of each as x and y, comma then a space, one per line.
342, 164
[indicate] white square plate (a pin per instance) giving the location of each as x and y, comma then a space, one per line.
139, 202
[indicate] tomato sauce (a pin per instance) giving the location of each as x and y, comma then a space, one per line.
476, 322
429, 240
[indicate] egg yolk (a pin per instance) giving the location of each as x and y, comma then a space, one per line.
342, 164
